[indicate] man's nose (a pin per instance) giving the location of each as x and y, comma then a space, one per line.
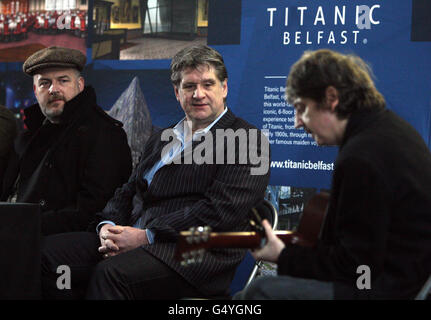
198, 93
298, 121
53, 88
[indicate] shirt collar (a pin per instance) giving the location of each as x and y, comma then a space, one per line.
182, 129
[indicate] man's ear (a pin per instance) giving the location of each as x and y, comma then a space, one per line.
81, 84
331, 97
176, 92
34, 84
225, 88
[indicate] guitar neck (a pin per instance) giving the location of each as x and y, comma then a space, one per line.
243, 239
187, 241
194, 242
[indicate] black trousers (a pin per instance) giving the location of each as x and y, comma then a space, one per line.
286, 288
135, 274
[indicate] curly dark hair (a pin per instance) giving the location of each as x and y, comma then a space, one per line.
350, 75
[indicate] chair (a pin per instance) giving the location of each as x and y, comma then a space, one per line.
425, 292
45, 28
24, 30
6, 32
83, 28
269, 212
249, 266
37, 24
72, 24
20, 237
17, 33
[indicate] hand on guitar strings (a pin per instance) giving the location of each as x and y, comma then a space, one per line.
272, 248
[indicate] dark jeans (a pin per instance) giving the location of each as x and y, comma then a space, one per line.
286, 288
135, 274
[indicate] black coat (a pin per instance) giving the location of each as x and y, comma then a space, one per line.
181, 196
8, 133
71, 169
379, 213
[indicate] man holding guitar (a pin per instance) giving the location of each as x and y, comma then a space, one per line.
376, 239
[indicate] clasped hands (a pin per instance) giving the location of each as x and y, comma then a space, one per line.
118, 239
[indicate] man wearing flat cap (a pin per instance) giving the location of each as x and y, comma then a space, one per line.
72, 156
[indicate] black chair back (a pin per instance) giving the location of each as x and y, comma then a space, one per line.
20, 240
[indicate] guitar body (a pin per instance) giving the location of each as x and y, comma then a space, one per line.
192, 244
313, 217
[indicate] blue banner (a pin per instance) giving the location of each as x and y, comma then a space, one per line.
274, 34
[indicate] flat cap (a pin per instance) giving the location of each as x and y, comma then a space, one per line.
54, 57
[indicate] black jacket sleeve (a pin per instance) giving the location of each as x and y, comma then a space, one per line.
359, 217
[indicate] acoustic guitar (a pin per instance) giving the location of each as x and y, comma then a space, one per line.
192, 244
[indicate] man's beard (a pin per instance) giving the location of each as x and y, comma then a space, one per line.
53, 114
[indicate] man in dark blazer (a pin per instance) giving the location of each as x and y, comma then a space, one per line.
376, 239
72, 156
188, 177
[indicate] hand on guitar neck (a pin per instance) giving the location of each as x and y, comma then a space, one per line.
309, 229
272, 248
